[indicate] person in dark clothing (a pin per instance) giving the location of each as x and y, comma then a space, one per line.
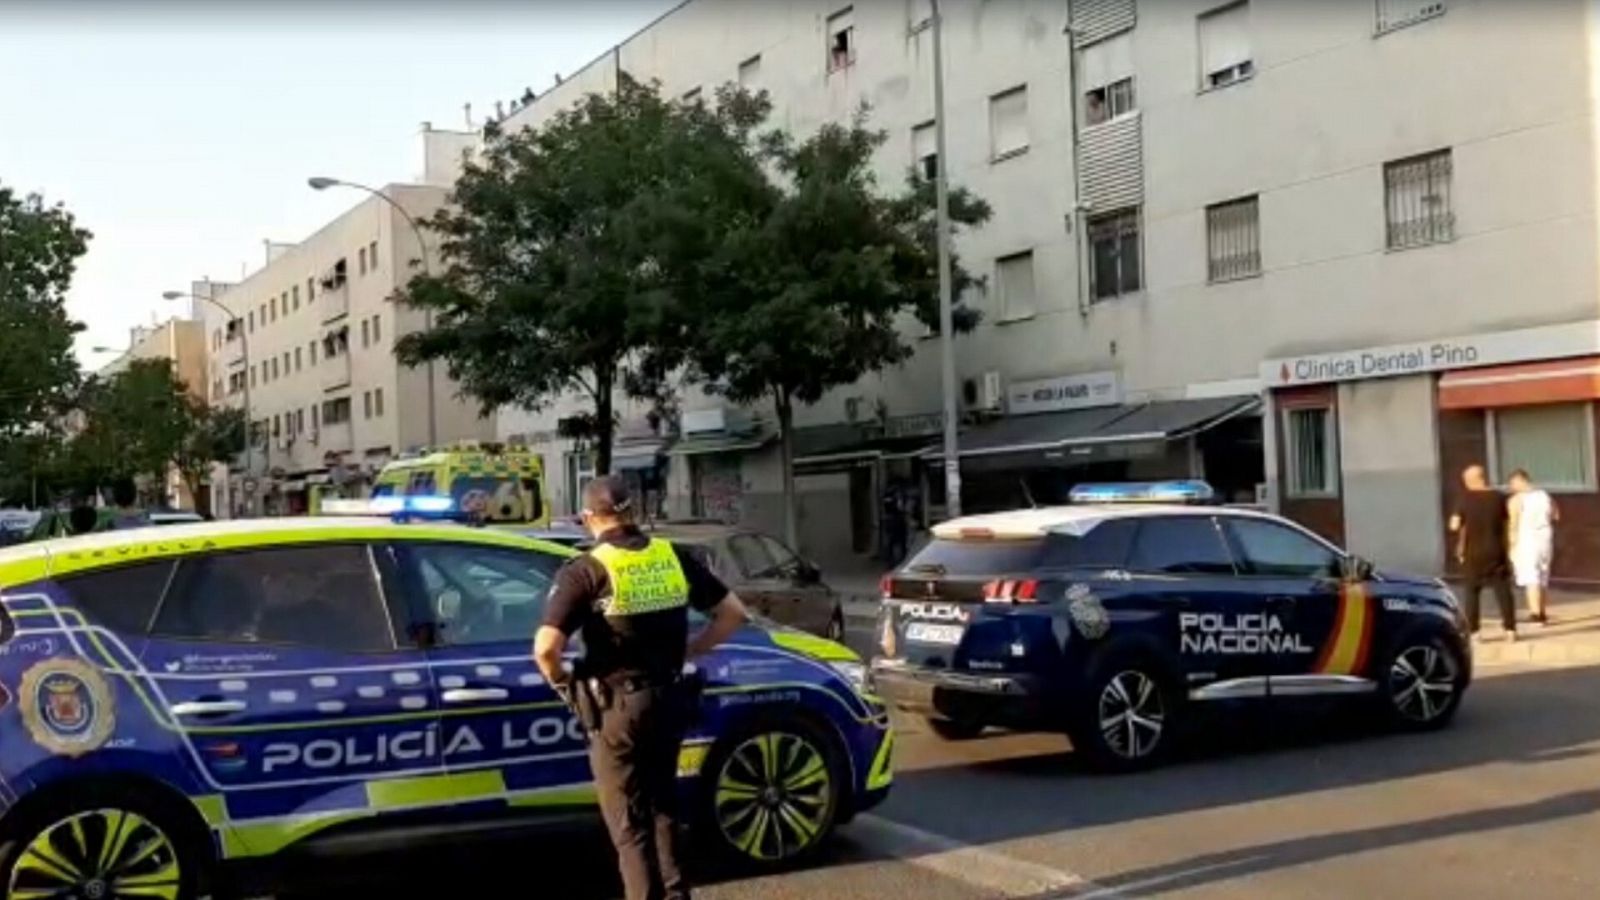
630, 597
892, 519
125, 499
83, 518
1480, 523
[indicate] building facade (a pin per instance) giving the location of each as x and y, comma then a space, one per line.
307, 342
180, 342
1286, 246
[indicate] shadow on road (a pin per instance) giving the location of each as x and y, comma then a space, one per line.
1531, 719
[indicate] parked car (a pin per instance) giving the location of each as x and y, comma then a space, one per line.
178, 699
1118, 622
772, 580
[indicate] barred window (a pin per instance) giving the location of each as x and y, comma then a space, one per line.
1394, 14
1114, 248
1416, 193
1233, 239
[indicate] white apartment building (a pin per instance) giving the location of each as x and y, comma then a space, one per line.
1288, 246
310, 349
180, 342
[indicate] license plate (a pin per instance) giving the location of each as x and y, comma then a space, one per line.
929, 633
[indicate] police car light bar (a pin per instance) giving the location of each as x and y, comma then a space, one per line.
1144, 492
394, 507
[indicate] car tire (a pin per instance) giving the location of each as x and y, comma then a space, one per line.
835, 630
1422, 683
1127, 717
952, 730
151, 843
771, 793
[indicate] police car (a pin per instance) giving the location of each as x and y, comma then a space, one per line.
172, 699
1117, 617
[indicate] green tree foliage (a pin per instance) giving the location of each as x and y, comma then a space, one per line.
551, 281
39, 249
814, 285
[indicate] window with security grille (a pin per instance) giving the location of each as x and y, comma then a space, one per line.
1393, 14
1114, 251
1416, 200
1233, 239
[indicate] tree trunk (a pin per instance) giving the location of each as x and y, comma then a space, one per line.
604, 426
791, 503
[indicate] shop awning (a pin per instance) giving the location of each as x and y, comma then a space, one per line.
720, 443
849, 449
1521, 384
1161, 420
634, 456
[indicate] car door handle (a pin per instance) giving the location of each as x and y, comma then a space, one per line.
475, 695
207, 708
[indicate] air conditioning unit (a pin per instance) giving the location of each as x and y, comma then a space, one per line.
991, 393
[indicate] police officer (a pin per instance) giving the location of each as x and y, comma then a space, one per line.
630, 597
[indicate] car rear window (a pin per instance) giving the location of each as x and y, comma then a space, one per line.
992, 557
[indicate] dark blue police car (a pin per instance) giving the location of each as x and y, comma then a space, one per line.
1115, 617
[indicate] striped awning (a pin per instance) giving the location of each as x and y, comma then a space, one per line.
1521, 384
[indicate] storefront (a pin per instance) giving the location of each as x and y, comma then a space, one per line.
1368, 444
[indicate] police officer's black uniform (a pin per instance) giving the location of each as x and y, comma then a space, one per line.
635, 640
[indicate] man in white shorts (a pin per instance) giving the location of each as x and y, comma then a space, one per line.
1532, 532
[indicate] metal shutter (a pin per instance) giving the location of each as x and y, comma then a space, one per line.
1096, 20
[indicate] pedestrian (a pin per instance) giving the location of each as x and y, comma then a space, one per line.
892, 519
630, 598
1533, 517
125, 499
1480, 524
83, 518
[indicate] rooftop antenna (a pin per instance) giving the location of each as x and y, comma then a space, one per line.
499, 109
558, 78
467, 108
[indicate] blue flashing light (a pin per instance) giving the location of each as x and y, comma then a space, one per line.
399, 508
1187, 491
430, 504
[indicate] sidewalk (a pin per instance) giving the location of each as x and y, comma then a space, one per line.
1571, 639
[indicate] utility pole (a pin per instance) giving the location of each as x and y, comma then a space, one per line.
947, 337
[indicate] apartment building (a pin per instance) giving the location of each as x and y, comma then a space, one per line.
307, 343
1320, 253
180, 342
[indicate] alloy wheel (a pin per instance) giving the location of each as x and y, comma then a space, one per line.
774, 796
1132, 715
103, 854
1422, 683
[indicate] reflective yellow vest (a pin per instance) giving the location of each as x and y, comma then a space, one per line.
642, 581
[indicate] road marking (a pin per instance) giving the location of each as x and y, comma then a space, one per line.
977, 867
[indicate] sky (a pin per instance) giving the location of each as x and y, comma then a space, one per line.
182, 133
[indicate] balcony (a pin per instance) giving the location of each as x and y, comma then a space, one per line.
334, 371
333, 293
338, 438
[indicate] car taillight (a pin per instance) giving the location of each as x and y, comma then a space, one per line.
977, 534
1012, 591
886, 587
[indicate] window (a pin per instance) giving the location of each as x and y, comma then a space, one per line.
323, 597
366, 332
977, 558
366, 404
925, 150
311, 350
298, 358
299, 421
1181, 545
311, 289
372, 256
1233, 239
274, 368
1014, 279
1554, 442
841, 40
1273, 550
263, 315
377, 406
1308, 452
784, 560
1008, 123
1105, 546
123, 599
286, 359
315, 423
336, 412
1114, 250
361, 256
283, 304
272, 309
1225, 46
294, 296
377, 329
483, 595
253, 376
1416, 201
1106, 103
752, 556
750, 71
1393, 14
252, 321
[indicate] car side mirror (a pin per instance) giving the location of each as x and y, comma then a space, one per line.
807, 573
1354, 568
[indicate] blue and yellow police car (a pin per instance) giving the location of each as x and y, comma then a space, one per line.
1116, 617
176, 699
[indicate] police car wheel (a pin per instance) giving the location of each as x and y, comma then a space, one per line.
1423, 684
771, 793
951, 730
1127, 716
108, 848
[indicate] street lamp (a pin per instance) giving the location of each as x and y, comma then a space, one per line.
947, 337
322, 183
244, 351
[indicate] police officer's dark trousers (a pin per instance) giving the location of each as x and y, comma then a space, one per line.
635, 761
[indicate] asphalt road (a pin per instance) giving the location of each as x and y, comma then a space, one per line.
1505, 803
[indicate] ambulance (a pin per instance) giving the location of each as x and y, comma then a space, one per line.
498, 483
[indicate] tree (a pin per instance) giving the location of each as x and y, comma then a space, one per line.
810, 289
552, 281
215, 435
39, 249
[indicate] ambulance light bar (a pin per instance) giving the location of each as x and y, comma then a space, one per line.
1190, 491
422, 506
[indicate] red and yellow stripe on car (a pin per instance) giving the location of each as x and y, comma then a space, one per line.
1346, 650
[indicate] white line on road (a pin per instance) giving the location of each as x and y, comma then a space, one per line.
978, 867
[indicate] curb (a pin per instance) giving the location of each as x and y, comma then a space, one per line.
1534, 652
